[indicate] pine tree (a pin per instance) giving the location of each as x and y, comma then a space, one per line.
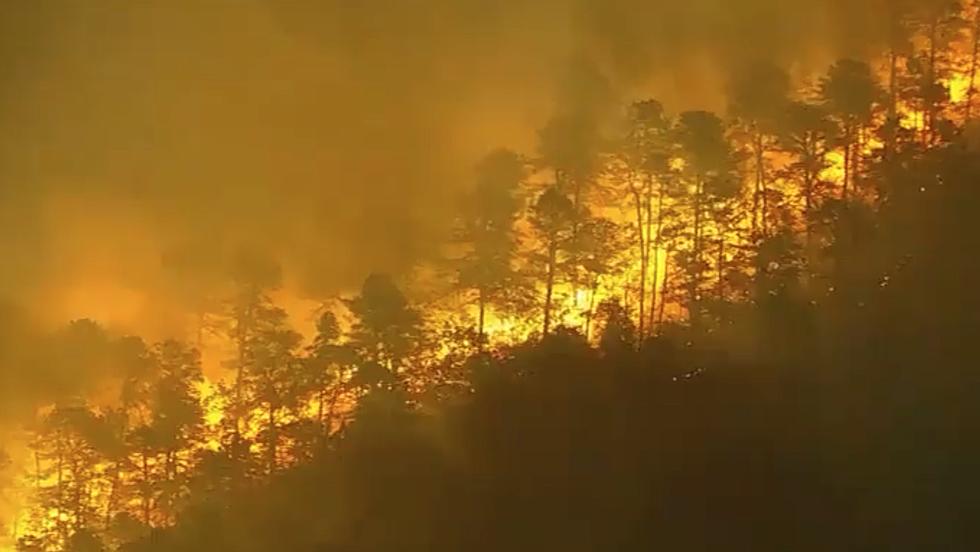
807, 136
640, 166
272, 380
941, 24
488, 231
759, 100
327, 371
849, 93
708, 171
67, 472
553, 218
600, 245
386, 331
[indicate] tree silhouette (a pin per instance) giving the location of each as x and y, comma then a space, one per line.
759, 100
569, 144
899, 39
177, 418
271, 376
940, 22
249, 314
708, 165
553, 218
488, 230
387, 329
807, 135
641, 166
65, 457
599, 244
619, 335
327, 368
974, 62
849, 92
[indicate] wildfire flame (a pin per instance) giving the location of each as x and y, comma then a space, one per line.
575, 305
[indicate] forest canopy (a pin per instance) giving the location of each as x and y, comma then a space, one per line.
327, 276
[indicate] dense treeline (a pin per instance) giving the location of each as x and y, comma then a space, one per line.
686, 330
842, 424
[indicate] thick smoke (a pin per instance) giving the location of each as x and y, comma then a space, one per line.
144, 145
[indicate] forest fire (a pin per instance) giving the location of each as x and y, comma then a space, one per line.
385, 350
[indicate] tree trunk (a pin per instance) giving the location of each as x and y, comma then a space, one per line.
975, 55
856, 157
62, 526
891, 132
481, 318
273, 439
550, 284
575, 268
591, 311
931, 107
76, 495
170, 467
113, 491
847, 159
663, 300
650, 257
807, 204
721, 266
696, 253
146, 489
242, 331
332, 410
641, 242
657, 240
321, 399
760, 201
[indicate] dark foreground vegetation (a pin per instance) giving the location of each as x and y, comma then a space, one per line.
849, 424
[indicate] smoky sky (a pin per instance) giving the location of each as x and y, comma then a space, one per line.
142, 144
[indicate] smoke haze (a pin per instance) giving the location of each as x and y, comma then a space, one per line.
143, 146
